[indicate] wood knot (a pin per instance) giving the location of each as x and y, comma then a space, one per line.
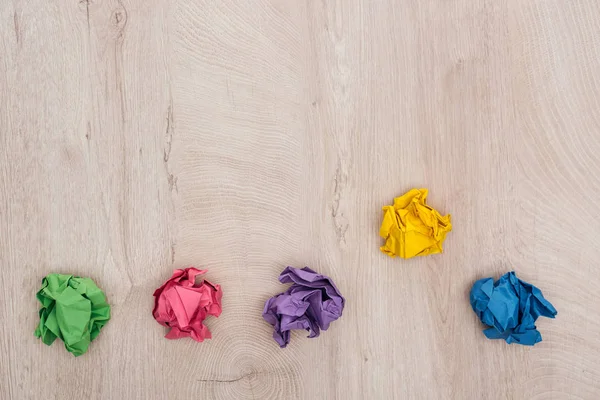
118, 19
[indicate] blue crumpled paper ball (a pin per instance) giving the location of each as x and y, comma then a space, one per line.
510, 307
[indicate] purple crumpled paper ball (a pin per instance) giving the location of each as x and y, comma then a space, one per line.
311, 303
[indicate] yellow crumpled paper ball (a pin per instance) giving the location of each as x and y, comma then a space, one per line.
411, 228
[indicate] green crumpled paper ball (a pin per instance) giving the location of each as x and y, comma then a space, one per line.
73, 309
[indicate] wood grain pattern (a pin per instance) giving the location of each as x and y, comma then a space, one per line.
140, 136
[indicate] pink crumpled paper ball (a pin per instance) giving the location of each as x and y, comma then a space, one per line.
182, 304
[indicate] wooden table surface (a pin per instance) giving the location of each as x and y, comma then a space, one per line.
244, 136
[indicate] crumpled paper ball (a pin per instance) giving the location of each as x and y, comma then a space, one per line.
182, 304
510, 307
412, 228
311, 303
73, 309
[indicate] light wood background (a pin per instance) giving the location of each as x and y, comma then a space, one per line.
244, 136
